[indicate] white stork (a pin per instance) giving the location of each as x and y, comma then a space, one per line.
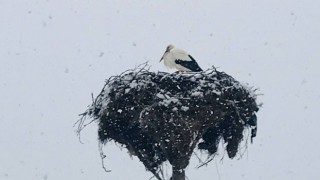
179, 59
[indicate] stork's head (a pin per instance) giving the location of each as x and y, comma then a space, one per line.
169, 48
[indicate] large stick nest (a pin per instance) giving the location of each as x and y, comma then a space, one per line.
159, 116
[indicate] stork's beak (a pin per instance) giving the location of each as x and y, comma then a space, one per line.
163, 55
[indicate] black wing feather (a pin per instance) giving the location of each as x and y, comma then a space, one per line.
192, 65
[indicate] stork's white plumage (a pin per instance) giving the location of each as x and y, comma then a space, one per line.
179, 59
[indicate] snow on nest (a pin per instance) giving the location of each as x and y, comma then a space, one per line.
167, 102
169, 88
136, 102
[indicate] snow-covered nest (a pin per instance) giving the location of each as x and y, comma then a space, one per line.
159, 116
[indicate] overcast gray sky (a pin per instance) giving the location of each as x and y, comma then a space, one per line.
54, 54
